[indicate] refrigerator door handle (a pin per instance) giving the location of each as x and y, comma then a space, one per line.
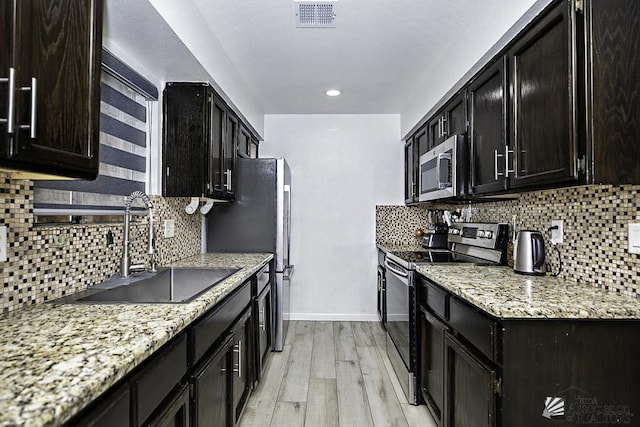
288, 272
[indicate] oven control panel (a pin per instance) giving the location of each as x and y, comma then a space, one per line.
485, 235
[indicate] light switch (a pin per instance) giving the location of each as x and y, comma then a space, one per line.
3, 243
169, 228
634, 238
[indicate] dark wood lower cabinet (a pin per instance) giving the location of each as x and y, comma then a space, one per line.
263, 329
113, 410
210, 389
470, 387
175, 413
432, 333
241, 364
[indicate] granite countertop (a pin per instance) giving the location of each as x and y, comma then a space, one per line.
507, 295
56, 358
399, 247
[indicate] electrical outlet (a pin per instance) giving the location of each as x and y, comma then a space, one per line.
3, 243
557, 235
634, 238
169, 228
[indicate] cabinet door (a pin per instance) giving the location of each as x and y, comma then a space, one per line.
6, 31
543, 103
436, 130
57, 51
216, 181
176, 414
186, 114
613, 90
432, 363
264, 328
229, 154
470, 388
456, 113
422, 142
410, 172
241, 364
210, 383
487, 112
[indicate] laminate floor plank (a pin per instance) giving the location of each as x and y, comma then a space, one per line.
295, 383
323, 361
362, 334
384, 404
363, 392
345, 344
353, 404
288, 414
262, 402
418, 416
322, 403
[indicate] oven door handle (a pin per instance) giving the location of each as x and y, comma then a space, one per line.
395, 271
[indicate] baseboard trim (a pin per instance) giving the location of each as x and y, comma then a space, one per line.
334, 317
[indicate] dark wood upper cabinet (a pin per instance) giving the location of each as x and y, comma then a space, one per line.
187, 126
247, 143
543, 107
451, 120
488, 135
411, 158
229, 153
612, 43
52, 61
199, 142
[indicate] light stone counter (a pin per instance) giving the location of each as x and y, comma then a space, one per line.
56, 358
507, 295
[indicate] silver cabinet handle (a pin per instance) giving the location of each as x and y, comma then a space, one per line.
444, 128
227, 174
507, 171
238, 350
34, 99
495, 164
11, 82
261, 319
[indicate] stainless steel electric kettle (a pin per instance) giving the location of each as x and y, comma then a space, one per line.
528, 253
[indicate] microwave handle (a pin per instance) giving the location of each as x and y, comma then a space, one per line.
442, 156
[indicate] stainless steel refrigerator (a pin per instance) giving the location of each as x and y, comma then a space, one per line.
259, 221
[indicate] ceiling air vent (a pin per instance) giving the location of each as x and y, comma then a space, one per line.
314, 14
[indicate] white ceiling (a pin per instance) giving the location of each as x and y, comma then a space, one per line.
382, 55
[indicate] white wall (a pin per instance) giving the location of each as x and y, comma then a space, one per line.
341, 167
464, 52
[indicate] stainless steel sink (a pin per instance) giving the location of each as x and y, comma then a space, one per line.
177, 285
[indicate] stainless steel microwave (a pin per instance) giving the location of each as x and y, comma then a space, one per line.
443, 170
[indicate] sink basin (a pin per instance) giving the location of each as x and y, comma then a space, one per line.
177, 285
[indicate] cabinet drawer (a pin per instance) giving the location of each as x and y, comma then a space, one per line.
263, 278
475, 327
161, 375
436, 299
212, 326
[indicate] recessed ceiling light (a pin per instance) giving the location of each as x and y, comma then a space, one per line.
333, 92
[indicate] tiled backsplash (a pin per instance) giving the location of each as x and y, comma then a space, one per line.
595, 222
47, 262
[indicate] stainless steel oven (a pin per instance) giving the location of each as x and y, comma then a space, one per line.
478, 243
401, 301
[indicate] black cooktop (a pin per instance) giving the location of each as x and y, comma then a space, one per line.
436, 256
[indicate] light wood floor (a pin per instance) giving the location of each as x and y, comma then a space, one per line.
332, 374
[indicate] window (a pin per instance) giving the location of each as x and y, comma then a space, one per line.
124, 138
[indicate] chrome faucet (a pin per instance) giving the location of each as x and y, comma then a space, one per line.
126, 268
